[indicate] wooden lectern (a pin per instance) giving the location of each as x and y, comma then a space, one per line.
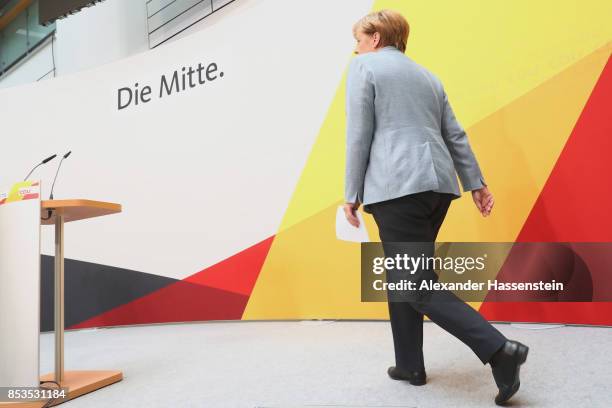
57, 212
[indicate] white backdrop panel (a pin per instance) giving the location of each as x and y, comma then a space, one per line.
204, 173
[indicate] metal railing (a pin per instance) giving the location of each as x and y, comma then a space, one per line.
168, 18
22, 36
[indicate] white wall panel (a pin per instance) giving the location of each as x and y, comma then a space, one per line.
201, 174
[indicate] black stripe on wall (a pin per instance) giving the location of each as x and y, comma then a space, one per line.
91, 289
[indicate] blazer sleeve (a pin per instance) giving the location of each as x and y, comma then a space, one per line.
359, 128
458, 145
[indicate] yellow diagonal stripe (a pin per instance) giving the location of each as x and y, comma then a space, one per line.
310, 274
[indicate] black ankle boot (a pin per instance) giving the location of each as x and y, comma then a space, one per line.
506, 364
413, 377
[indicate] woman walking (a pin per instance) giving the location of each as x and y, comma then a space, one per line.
404, 151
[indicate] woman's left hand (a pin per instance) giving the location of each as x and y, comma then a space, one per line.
484, 200
350, 211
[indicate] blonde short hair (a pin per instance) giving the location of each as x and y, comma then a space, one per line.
390, 25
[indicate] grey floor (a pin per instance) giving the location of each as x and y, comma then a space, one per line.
326, 364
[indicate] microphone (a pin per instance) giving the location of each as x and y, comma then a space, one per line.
57, 172
47, 160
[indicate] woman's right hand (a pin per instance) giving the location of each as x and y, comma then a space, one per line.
484, 200
350, 212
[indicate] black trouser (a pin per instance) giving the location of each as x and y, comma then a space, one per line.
417, 218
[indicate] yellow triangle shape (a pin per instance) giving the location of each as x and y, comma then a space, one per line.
310, 274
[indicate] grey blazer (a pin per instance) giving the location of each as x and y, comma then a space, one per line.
401, 133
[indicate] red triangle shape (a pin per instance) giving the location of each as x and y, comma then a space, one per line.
237, 273
574, 206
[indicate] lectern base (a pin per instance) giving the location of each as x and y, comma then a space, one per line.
78, 383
